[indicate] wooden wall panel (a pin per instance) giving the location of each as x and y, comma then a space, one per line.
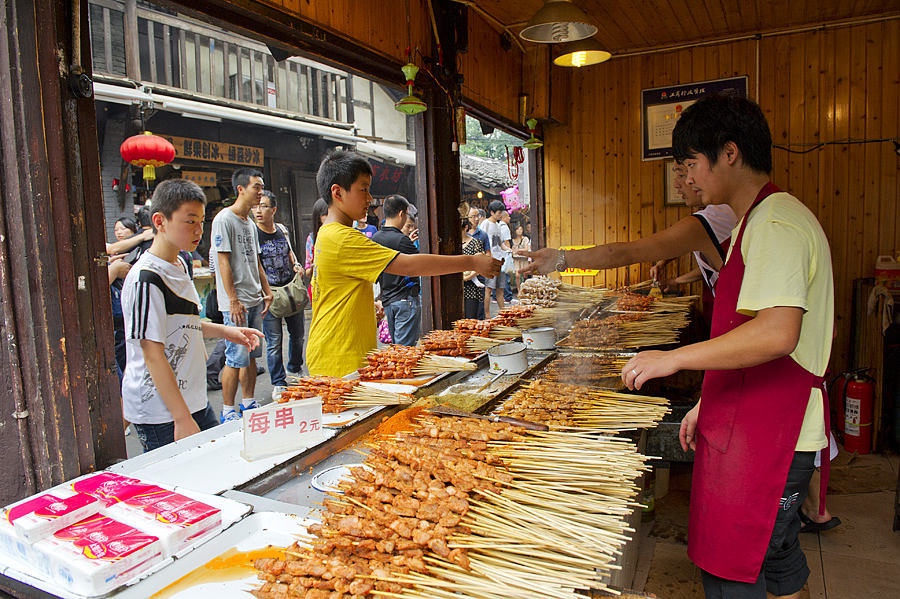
492, 76
818, 86
380, 25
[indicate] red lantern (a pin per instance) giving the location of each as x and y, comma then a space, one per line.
149, 151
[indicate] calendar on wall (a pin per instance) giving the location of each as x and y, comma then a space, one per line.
661, 107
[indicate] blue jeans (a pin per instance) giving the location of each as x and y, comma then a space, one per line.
237, 355
154, 436
403, 320
274, 334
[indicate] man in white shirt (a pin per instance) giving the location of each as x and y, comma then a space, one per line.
499, 249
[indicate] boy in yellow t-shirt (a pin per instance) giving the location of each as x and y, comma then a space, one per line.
347, 263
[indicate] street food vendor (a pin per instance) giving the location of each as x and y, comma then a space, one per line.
760, 418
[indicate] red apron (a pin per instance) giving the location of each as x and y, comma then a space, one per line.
747, 433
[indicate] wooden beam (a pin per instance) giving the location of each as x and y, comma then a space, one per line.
132, 47
57, 322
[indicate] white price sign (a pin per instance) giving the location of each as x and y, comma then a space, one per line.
282, 427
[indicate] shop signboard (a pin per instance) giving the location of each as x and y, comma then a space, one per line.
281, 427
661, 107
216, 151
201, 178
578, 272
386, 178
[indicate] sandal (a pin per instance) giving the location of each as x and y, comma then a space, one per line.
809, 525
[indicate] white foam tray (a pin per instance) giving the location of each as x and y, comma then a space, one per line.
211, 463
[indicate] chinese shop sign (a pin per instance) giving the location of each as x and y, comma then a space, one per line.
201, 178
386, 178
282, 427
216, 151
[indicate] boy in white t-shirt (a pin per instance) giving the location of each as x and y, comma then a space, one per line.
164, 386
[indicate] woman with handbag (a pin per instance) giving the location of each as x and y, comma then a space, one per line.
281, 267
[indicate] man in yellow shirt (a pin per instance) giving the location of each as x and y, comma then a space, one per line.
760, 420
347, 264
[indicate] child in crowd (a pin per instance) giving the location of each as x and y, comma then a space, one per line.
164, 390
343, 326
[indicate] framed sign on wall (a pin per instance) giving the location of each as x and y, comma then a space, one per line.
661, 107
673, 198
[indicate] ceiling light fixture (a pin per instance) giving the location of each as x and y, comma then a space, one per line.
532, 143
580, 54
410, 104
556, 22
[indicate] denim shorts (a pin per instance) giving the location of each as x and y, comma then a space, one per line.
154, 436
237, 355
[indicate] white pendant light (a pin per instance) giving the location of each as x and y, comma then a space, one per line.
556, 22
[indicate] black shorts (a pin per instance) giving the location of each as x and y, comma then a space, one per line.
784, 570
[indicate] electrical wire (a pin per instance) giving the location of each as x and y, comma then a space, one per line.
443, 89
819, 145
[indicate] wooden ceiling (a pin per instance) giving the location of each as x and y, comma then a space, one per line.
635, 25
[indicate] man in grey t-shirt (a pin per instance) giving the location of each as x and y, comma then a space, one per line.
243, 291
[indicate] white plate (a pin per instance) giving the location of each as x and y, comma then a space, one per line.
328, 480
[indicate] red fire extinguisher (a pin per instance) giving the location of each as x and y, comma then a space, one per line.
858, 394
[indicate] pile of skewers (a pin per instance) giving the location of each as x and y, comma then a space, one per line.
510, 315
573, 407
624, 331
487, 328
456, 343
635, 302
546, 292
589, 369
402, 362
340, 394
468, 508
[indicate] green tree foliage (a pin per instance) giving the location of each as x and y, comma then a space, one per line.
489, 146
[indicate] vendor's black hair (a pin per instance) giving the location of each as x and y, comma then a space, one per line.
340, 167
394, 205
172, 193
707, 125
242, 177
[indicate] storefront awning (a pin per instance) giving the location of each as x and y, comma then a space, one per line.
204, 110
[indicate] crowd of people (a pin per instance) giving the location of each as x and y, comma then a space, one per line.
355, 271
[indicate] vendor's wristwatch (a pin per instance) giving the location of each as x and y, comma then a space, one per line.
561, 263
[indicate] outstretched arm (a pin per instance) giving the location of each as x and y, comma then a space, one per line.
424, 265
685, 236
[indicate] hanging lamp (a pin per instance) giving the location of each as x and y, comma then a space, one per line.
532, 143
148, 151
580, 54
410, 104
558, 21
